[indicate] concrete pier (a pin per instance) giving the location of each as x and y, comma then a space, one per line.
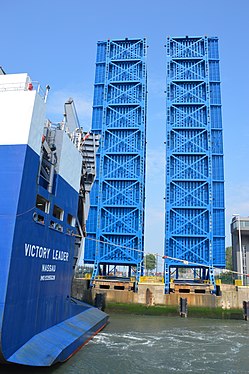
231, 296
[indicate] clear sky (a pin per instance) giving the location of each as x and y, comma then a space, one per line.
54, 41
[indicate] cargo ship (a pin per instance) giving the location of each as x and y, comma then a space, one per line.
43, 191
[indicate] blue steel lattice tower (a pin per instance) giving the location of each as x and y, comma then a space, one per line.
194, 232
115, 224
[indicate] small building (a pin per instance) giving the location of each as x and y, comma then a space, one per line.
240, 247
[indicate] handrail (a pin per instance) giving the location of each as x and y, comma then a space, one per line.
24, 86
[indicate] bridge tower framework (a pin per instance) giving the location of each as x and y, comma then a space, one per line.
115, 225
194, 214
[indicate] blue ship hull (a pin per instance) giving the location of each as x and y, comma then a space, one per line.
40, 324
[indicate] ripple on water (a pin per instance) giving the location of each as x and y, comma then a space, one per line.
194, 346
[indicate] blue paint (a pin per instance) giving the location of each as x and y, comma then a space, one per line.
119, 115
194, 212
31, 307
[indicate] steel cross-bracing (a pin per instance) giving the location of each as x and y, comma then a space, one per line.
115, 225
194, 214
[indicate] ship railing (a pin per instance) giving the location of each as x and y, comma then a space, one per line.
38, 88
25, 86
57, 125
50, 133
74, 136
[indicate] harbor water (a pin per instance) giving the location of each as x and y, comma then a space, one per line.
148, 344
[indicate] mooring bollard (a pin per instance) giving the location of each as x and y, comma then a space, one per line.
183, 307
246, 310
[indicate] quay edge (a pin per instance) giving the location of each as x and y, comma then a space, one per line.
152, 295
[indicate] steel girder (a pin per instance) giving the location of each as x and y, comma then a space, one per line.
194, 214
116, 217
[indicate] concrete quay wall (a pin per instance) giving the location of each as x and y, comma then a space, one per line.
153, 294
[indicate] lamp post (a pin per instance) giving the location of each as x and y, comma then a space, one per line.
240, 249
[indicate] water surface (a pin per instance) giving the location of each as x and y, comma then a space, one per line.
148, 344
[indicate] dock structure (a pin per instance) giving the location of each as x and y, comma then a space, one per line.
115, 225
194, 213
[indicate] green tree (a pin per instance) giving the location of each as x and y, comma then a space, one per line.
150, 262
227, 277
229, 264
